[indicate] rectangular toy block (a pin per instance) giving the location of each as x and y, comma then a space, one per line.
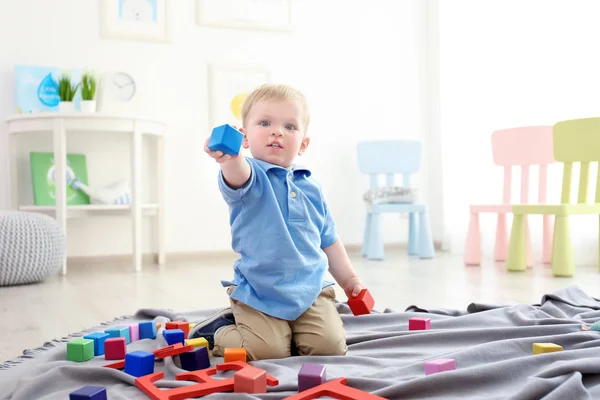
80, 350
98, 338
147, 330
184, 326
311, 375
197, 342
227, 139
195, 359
134, 331
173, 336
119, 331
139, 363
442, 364
250, 380
115, 348
89, 393
361, 304
235, 354
419, 324
540, 348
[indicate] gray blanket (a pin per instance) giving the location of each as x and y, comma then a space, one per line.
492, 346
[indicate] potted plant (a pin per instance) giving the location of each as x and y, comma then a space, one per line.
88, 92
66, 92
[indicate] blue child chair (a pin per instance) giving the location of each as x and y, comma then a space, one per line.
392, 157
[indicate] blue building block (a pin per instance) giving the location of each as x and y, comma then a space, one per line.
195, 359
226, 139
147, 330
173, 336
89, 393
98, 338
139, 363
119, 331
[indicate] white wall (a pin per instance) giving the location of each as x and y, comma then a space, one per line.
504, 64
357, 61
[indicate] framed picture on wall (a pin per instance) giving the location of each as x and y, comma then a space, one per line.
146, 20
228, 87
245, 14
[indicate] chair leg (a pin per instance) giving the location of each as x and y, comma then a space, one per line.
501, 239
366, 235
563, 263
516, 258
426, 249
547, 245
529, 254
413, 234
375, 248
473, 245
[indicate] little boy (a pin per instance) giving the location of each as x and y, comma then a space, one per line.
283, 230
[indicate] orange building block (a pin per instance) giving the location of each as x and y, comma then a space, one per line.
250, 380
235, 354
183, 325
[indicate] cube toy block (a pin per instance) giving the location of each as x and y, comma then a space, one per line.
80, 350
227, 139
361, 304
147, 330
98, 338
250, 380
119, 331
134, 331
195, 359
89, 393
440, 365
197, 342
235, 354
310, 376
139, 363
540, 348
115, 348
419, 324
173, 336
184, 326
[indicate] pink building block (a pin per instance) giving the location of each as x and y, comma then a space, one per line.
115, 348
419, 324
440, 365
134, 331
250, 380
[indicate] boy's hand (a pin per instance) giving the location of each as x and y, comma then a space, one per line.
352, 287
219, 156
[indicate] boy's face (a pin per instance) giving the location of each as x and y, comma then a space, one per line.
274, 132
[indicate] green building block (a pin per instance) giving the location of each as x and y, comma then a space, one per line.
80, 350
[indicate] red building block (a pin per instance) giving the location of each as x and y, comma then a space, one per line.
115, 348
337, 389
419, 324
250, 380
183, 325
361, 304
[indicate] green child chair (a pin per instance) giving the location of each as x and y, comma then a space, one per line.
575, 141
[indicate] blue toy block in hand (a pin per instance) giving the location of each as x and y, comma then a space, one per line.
89, 393
227, 139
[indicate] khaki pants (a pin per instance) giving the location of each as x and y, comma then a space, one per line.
319, 331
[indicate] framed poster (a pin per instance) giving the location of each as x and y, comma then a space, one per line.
36, 88
148, 20
245, 14
228, 87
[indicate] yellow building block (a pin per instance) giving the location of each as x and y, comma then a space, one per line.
197, 342
540, 348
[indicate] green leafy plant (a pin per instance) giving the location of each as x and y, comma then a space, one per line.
88, 86
66, 89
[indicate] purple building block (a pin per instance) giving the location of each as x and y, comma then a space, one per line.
89, 393
311, 375
195, 359
442, 364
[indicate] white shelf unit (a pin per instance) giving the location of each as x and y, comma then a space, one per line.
135, 127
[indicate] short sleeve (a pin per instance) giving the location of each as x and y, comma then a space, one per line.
329, 233
234, 195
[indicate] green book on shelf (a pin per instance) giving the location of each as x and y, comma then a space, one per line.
43, 178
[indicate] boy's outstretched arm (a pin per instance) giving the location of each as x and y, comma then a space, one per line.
341, 269
236, 170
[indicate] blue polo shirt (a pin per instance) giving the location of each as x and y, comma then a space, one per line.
279, 224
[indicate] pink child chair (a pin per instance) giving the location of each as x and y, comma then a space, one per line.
524, 147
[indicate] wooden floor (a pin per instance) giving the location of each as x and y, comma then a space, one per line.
89, 295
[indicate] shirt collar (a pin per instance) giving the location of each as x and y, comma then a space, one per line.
266, 166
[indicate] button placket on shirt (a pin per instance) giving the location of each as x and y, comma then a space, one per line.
295, 206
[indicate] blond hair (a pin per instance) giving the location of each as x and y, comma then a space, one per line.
277, 91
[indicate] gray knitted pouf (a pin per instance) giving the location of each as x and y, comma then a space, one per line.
32, 246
